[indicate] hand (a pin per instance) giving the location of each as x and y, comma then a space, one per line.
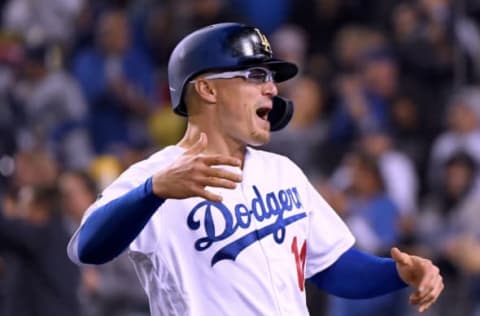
421, 274
193, 171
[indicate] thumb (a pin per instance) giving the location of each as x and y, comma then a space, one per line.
199, 146
400, 258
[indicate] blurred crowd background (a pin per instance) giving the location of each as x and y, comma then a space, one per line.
387, 127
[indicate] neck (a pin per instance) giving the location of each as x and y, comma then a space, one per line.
217, 143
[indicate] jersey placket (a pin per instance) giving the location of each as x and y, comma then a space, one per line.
251, 178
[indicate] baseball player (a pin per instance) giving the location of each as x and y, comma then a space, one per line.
216, 227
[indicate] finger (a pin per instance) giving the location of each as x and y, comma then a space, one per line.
219, 183
420, 294
200, 192
414, 298
223, 174
420, 298
221, 160
427, 305
199, 146
400, 257
431, 295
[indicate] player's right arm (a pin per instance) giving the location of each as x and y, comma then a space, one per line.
111, 227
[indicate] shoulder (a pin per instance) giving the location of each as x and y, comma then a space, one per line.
140, 171
273, 162
137, 174
159, 159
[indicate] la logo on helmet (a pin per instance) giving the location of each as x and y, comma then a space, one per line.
264, 41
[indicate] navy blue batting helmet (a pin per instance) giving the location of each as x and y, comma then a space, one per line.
227, 46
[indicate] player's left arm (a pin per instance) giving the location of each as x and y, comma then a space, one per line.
351, 273
357, 274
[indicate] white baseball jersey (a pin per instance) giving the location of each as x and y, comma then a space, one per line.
248, 255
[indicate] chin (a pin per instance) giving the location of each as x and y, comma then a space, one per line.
260, 139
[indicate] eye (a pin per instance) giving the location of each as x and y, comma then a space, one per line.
258, 75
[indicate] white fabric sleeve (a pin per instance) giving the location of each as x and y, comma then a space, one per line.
328, 237
128, 180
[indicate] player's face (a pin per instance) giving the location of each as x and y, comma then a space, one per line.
243, 107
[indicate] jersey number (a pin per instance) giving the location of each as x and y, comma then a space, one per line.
300, 257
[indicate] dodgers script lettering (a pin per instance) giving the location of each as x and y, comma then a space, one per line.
271, 205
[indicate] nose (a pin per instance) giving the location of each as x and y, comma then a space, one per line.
270, 88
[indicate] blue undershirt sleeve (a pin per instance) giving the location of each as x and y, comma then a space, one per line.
358, 275
110, 229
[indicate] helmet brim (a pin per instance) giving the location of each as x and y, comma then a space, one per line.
283, 70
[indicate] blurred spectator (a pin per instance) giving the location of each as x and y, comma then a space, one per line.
118, 84
45, 280
397, 170
10, 264
105, 169
351, 44
50, 20
364, 98
405, 22
12, 116
36, 167
84, 26
467, 33
379, 72
451, 213
322, 20
154, 31
462, 133
9, 200
158, 25
208, 12
55, 108
78, 190
373, 218
267, 15
424, 34
289, 42
424, 42
368, 210
112, 289
408, 130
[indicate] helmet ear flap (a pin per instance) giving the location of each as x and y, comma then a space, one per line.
281, 113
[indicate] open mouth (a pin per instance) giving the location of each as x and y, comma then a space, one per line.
263, 113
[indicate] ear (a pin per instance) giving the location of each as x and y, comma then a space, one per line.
206, 90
